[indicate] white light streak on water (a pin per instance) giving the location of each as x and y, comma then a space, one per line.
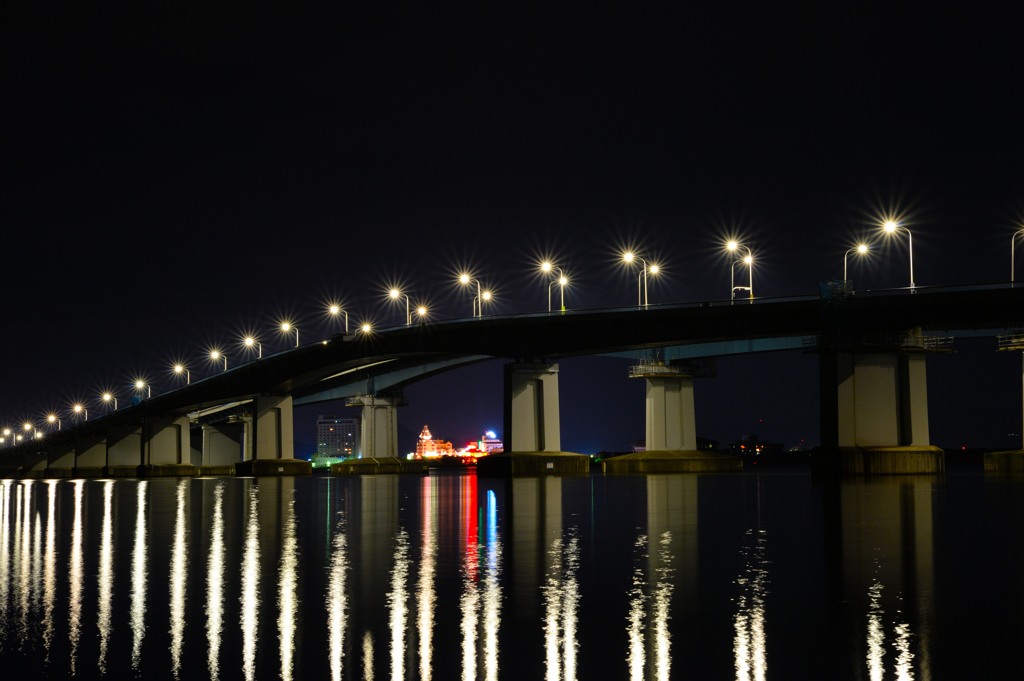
552, 613
215, 584
5, 553
138, 596
49, 566
178, 576
367, 657
23, 545
287, 599
636, 658
76, 576
250, 587
876, 632
904, 658
469, 605
492, 590
749, 643
337, 602
662, 599
37, 559
561, 603
105, 576
398, 604
425, 594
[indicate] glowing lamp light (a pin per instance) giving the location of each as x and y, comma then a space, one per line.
366, 328
108, 397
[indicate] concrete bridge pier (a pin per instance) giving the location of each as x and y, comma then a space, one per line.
222, 447
874, 414
167, 449
378, 429
90, 456
533, 438
61, 461
273, 449
124, 452
671, 424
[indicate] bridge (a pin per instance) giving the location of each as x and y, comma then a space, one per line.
873, 348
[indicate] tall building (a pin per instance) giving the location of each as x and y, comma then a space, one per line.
337, 437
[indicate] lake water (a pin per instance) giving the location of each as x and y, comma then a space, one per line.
768, 574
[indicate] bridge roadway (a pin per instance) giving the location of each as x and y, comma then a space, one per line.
346, 364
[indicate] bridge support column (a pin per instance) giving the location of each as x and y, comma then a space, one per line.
62, 461
874, 414
671, 423
124, 451
90, 456
378, 428
273, 445
531, 408
222, 445
167, 447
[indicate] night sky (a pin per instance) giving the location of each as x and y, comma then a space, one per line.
175, 176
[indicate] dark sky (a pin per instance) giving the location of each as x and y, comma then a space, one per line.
175, 175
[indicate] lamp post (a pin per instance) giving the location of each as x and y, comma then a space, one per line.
1013, 239
109, 397
251, 342
182, 369
733, 246
288, 327
218, 356
466, 280
641, 281
561, 280
365, 327
397, 295
8, 435
79, 409
141, 385
891, 227
859, 249
334, 310
421, 313
53, 418
485, 297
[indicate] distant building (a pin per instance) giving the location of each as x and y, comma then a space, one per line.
336, 437
429, 448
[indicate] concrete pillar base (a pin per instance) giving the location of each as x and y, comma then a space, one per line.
60, 472
1004, 462
907, 460
380, 466
511, 464
121, 471
273, 467
216, 471
88, 472
168, 470
673, 461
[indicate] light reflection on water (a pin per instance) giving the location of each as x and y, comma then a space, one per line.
433, 572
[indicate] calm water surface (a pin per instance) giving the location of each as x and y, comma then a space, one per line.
760, 575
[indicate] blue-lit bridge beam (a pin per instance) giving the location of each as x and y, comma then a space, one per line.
531, 408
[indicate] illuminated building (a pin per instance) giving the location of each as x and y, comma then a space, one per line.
336, 439
429, 448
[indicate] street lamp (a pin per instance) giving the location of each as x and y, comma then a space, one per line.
859, 249
251, 342
629, 257
142, 385
366, 327
396, 295
466, 280
733, 246
218, 356
561, 280
288, 327
80, 410
182, 369
1019, 232
53, 418
334, 310
891, 227
109, 397
485, 297
421, 312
